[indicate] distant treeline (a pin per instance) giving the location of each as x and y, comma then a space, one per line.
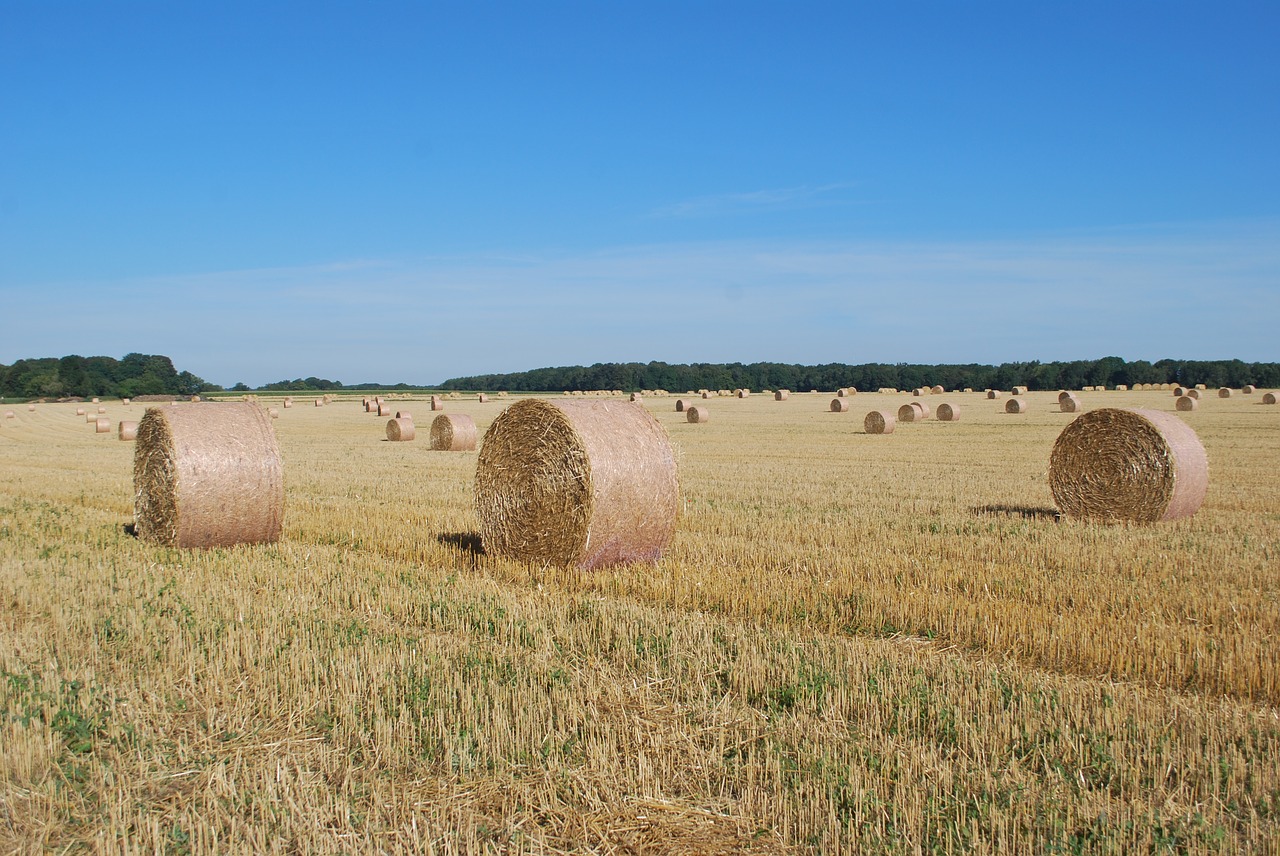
72, 376
1107, 371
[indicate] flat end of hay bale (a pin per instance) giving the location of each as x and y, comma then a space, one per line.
948, 412
879, 422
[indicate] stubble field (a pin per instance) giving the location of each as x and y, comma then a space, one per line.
854, 644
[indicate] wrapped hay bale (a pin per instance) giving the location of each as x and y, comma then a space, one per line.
697, 415
576, 483
879, 422
1186, 403
994, 393
208, 476
1202, 387
968, 389
839, 405
102, 425
1268, 398
782, 395
127, 431
679, 405
453, 433
1138, 465
1015, 405
1224, 392
1070, 404
400, 430
948, 413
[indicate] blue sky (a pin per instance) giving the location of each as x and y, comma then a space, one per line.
414, 191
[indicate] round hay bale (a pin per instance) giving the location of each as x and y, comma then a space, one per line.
126, 402
482, 398
679, 405
1194, 393
384, 410
1019, 390
91, 418
1224, 392
744, 393
399, 430
319, 402
1139, 465
577, 483
782, 395
994, 393
102, 410
1015, 405
1268, 398
455, 432
9, 414
404, 414
948, 413
31, 408
1179, 391
1186, 403
839, 405
95, 401
968, 389
79, 411
706, 394
1070, 404
925, 410
840, 393
288, 402
937, 390
1121, 387
127, 431
910, 413
1064, 395
918, 391
208, 476
437, 403
635, 396
697, 415
1248, 389
879, 422
1202, 387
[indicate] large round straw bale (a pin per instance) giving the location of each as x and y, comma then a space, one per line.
1186, 403
744, 393
1268, 398
937, 390
91, 418
1070, 404
455, 432
697, 415
1248, 389
782, 395
925, 410
918, 391
80, 411
994, 393
879, 422
208, 476
910, 413
577, 483
404, 414
1015, 405
127, 431
1194, 393
1224, 392
1140, 465
948, 413
839, 405
705, 394
400, 430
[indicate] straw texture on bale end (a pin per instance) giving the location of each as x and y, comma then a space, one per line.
1194, 393
782, 395
454, 432
127, 431
1186, 403
697, 415
1225, 392
1248, 389
1136, 465
1268, 398
910, 413
994, 393
679, 405
401, 430
1015, 405
948, 413
879, 422
208, 476
839, 405
576, 483
1068, 404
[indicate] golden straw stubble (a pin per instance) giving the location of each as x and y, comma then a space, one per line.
1136, 465
207, 475
576, 483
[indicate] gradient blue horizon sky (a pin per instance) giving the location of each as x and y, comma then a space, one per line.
410, 191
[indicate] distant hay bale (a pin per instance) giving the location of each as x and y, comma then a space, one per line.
127, 431
95, 401
994, 393
1268, 398
404, 414
744, 393
31, 408
925, 410
948, 413
1186, 403
453, 432
910, 413
782, 395
384, 409
841, 393
79, 411
1201, 386
400, 430
1137, 465
319, 402
968, 389
919, 390
839, 405
1015, 405
437, 403
1070, 404
1064, 395
9, 414
697, 415
1019, 390
879, 422
1248, 389
1120, 387
635, 396
208, 476
586, 484
1179, 391
1194, 393
1224, 392
91, 418
705, 394
126, 402
288, 402
102, 410
679, 405
482, 398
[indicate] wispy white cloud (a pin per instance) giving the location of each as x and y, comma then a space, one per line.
756, 201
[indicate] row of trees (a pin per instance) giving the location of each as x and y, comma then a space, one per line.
74, 375
1108, 371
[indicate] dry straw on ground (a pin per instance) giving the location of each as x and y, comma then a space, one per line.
1186, 403
1015, 405
879, 422
127, 431
208, 476
1138, 465
948, 412
839, 405
454, 432
697, 415
576, 483
401, 430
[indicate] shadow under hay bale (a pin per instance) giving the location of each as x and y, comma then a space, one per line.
208, 476
1137, 465
467, 542
1026, 512
576, 483
454, 432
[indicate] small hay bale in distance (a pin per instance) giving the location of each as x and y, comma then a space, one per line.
208, 476
910, 413
1069, 404
919, 390
1019, 390
400, 430
937, 390
635, 396
1268, 398
127, 430
1179, 391
948, 412
437, 403
404, 414
91, 418
102, 410
879, 422
482, 398
1065, 394
453, 432
31, 408
1138, 465
319, 402
1186, 403
1015, 405
925, 410
697, 415
782, 395
994, 393
839, 405
288, 402
126, 402
705, 394
679, 405
744, 393
1194, 393
1224, 392
584, 484
80, 411
384, 410
1248, 389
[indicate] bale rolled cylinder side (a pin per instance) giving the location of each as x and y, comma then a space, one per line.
576, 483
401, 430
948, 412
697, 415
127, 431
839, 405
879, 422
1269, 398
208, 476
1186, 404
453, 432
